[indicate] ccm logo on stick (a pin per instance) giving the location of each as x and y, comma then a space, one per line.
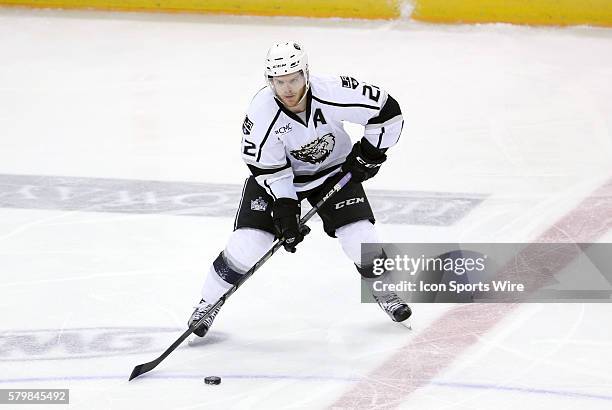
348, 202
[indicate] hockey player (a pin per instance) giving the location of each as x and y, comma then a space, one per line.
296, 148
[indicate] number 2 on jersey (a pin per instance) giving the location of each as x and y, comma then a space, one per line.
371, 91
248, 146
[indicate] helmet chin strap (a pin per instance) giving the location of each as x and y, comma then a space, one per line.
306, 87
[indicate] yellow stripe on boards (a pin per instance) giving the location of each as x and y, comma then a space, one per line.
536, 12
365, 9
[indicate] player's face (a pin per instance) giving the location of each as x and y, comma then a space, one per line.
290, 88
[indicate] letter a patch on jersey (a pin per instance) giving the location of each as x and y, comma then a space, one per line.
247, 126
318, 117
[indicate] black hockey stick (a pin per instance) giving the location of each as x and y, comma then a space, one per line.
145, 367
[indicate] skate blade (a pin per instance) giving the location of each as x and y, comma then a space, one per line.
407, 324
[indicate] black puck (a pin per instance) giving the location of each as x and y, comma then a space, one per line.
212, 380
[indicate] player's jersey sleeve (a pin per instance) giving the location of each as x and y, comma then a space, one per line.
263, 152
370, 106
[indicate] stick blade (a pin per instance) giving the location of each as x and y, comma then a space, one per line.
146, 367
143, 368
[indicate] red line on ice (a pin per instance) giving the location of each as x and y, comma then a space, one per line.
438, 346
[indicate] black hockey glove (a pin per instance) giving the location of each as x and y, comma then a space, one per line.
286, 218
364, 161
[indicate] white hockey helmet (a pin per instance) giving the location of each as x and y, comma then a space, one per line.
286, 58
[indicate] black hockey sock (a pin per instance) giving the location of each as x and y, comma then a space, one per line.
224, 271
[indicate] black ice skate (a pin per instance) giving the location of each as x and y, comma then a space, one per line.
397, 309
198, 313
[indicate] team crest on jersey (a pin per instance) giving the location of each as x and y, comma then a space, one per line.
349, 82
259, 204
247, 126
317, 151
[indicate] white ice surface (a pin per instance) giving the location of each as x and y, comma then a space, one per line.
521, 115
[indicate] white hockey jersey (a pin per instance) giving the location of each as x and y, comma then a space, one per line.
289, 153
